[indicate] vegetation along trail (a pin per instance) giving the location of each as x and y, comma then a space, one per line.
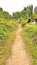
19, 54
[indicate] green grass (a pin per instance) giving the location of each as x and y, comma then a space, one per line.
6, 27
29, 34
24, 21
7, 35
5, 51
34, 16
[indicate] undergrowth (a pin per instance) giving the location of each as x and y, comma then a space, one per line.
7, 35
29, 34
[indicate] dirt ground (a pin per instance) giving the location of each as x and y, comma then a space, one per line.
19, 54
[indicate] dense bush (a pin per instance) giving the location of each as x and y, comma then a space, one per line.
24, 21
5, 28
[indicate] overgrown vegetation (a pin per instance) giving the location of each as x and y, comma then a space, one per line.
7, 35
8, 26
29, 34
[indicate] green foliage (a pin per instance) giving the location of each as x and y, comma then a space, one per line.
35, 10
4, 14
5, 28
24, 21
1, 9
16, 15
34, 16
29, 34
7, 35
27, 12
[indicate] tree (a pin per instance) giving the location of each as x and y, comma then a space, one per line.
35, 9
1, 12
31, 8
6, 15
16, 15
1, 9
27, 12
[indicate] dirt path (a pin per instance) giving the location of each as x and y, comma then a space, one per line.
19, 55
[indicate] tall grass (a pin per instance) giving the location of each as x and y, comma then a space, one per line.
7, 35
29, 34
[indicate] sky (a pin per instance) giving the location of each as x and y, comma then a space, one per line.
16, 5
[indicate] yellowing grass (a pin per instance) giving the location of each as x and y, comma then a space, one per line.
5, 51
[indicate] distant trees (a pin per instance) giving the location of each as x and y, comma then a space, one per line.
4, 14
27, 11
16, 15
35, 9
1, 12
31, 8
1, 9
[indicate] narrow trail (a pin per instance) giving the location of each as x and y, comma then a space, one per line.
19, 54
